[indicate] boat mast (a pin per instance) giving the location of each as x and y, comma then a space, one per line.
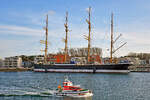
113, 41
66, 38
89, 37
111, 46
46, 40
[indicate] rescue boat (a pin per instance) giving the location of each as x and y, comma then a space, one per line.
71, 90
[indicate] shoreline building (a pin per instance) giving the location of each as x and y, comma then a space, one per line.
13, 61
1, 62
79, 55
74, 56
38, 59
57, 58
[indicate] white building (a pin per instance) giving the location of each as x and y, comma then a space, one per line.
133, 60
13, 62
79, 60
143, 62
38, 59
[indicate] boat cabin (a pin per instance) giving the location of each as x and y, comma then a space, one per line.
67, 85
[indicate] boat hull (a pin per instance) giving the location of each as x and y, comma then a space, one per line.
75, 94
72, 68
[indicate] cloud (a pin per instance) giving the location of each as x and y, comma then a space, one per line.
87, 9
27, 46
137, 41
19, 30
51, 12
138, 38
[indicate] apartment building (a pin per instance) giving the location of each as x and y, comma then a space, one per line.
1, 62
13, 62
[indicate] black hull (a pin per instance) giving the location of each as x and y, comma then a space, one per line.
82, 68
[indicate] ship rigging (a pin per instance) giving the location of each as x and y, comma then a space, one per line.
66, 39
112, 50
82, 68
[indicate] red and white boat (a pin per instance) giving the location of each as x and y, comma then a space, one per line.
71, 90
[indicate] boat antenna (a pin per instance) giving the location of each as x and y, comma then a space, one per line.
66, 38
89, 36
46, 40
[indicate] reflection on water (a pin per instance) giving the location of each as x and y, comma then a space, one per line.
69, 98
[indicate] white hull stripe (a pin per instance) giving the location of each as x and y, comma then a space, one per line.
81, 71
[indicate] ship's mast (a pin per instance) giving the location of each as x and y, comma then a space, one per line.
66, 38
46, 40
89, 37
113, 41
111, 46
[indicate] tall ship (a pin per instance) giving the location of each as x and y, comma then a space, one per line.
88, 67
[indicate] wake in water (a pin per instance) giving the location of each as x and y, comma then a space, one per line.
46, 93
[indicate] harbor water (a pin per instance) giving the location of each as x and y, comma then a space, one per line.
40, 86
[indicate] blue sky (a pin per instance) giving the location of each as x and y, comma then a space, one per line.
22, 22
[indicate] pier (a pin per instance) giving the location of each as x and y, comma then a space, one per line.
140, 68
14, 69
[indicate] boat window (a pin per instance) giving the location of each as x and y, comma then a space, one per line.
65, 84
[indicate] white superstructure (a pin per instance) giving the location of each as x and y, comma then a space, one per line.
38, 59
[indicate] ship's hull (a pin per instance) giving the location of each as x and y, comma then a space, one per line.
89, 68
75, 94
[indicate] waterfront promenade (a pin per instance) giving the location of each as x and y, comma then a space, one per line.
14, 69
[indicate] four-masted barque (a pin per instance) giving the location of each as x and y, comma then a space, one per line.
112, 67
